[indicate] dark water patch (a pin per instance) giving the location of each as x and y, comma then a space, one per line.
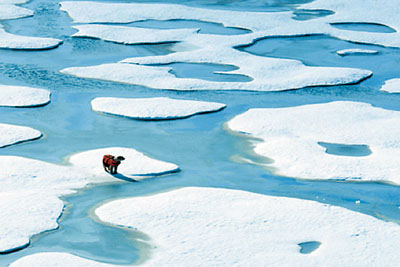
320, 50
206, 71
307, 14
308, 247
346, 150
204, 26
363, 27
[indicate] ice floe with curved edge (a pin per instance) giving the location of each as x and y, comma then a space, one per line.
9, 11
40, 184
131, 35
355, 51
21, 96
291, 136
242, 229
156, 108
136, 164
19, 42
13, 134
383, 12
268, 75
274, 23
391, 86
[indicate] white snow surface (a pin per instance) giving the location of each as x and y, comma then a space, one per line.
268, 74
9, 11
33, 188
131, 35
291, 135
242, 229
135, 165
22, 96
355, 51
13, 134
156, 108
19, 42
391, 86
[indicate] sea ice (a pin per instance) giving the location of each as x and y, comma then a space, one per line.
33, 188
9, 11
291, 136
355, 51
21, 96
268, 75
13, 134
242, 229
383, 12
131, 35
19, 42
156, 108
391, 86
136, 164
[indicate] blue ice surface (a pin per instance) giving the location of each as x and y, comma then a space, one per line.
199, 145
309, 246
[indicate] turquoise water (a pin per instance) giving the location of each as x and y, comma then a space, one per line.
200, 145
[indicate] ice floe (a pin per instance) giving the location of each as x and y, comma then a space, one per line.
291, 138
13, 134
21, 96
355, 51
242, 229
374, 12
131, 35
156, 108
268, 75
391, 86
135, 165
19, 42
40, 184
9, 11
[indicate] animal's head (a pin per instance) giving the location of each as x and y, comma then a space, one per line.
120, 158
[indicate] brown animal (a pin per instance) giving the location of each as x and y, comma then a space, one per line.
111, 163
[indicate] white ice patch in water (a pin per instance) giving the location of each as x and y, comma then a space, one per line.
19, 42
156, 108
391, 86
33, 188
13, 134
135, 166
291, 136
222, 227
21, 96
385, 12
132, 35
9, 11
356, 51
268, 74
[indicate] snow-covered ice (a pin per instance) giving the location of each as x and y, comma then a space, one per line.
242, 229
19, 42
14, 134
131, 35
268, 75
391, 86
136, 164
9, 11
22, 96
291, 135
355, 51
40, 184
156, 108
